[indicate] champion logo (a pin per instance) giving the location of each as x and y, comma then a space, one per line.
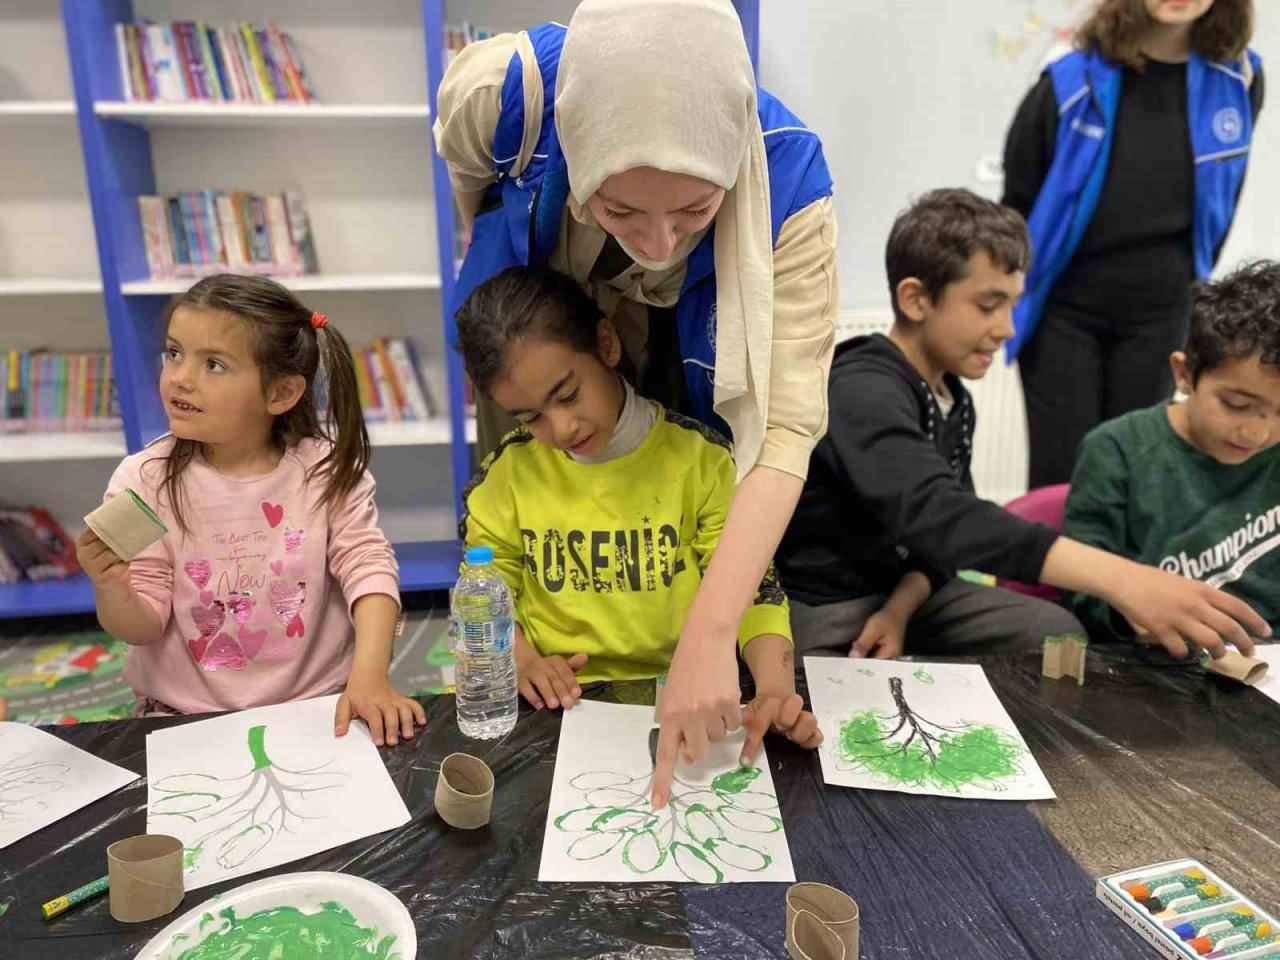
1228, 125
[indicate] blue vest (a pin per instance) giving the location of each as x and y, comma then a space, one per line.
524, 228
1220, 118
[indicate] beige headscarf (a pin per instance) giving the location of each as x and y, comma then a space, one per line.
668, 84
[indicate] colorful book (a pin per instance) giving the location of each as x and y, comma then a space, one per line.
257, 61
283, 254
218, 89
155, 232
169, 82
300, 229
407, 376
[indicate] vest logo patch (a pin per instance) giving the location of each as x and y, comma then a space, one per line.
1228, 125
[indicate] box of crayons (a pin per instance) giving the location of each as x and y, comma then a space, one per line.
1185, 910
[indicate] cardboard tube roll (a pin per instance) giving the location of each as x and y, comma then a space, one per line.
146, 877
833, 908
1235, 665
126, 524
464, 791
811, 939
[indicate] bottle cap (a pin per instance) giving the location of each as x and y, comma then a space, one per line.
479, 555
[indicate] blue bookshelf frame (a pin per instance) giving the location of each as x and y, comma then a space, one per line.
118, 169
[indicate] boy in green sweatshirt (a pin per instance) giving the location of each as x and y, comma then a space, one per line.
1194, 487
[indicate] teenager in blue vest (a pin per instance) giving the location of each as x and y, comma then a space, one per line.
633, 151
1127, 160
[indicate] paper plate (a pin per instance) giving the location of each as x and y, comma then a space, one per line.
372, 907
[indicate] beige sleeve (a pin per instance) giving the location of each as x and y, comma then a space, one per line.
468, 106
806, 299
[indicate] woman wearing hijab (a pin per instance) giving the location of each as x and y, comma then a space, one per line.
633, 152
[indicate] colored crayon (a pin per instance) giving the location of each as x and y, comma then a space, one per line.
60, 905
1205, 891
1187, 929
1246, 947
1229, 938
1157, 886
1197, 906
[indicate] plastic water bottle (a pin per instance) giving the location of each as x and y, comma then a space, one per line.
483, 631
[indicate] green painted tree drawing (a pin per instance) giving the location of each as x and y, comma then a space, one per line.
702, 831
906, 749
25, 782
245, 813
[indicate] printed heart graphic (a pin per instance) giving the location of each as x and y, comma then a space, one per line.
241, 605
295, 628
208, 620
277, 567
251, 641
197, 647
274, 513
286, 600
199, 571
293, 539
206, 597
223, 654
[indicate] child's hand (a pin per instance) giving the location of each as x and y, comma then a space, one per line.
102, 565
1174, 610
375, 701
782, 713
883, 635
550, 681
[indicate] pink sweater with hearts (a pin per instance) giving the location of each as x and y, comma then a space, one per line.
257, 597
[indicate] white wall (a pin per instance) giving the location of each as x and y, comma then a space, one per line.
910, 94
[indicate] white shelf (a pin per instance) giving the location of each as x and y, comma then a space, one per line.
36, 109
309, 282
431, 433
155, 113
42, 286
88, 445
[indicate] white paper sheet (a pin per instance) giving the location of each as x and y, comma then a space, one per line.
1270, 684
42, 779
913, 727
721, 825
262, 787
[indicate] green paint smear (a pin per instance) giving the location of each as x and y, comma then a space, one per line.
735, 781
975, 753
923, 675
4, 908
286, 933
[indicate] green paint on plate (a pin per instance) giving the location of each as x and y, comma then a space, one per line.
286, 933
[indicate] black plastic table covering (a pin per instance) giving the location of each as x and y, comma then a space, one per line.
1150, 763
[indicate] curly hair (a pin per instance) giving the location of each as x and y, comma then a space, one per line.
1235, 318
933, 239
1117, 28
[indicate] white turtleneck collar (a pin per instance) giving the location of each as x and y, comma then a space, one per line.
634, 423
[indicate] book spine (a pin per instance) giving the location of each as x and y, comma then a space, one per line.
261, 236
178, 238
225, 55
377, 388
244, 63
122, 55
229, 230
363, 387
195, 245
168, 73
283, 254
278, 86
155, 231
300, 230
384, 376
208, 200
410, 383
182, 45
259, 64
308, 92
284, 66
213, 65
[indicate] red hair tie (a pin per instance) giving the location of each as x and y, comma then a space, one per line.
319, 321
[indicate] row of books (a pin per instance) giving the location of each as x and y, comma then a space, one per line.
34, 546
45, 392
390, 382
188, 60
199, 232
458, 35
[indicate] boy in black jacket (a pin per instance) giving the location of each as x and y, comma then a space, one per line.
889, 513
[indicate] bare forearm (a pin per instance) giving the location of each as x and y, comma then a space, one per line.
1071, 565
375, 617
126, 616
761, 510
908, 596
769, 657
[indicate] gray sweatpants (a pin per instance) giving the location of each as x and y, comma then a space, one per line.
961, 619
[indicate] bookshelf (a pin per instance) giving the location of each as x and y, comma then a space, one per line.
384, 235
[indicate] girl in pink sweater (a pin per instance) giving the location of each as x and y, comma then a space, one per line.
274, 549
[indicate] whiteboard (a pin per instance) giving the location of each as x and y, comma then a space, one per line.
909, 95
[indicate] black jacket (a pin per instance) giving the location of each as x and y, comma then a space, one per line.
890, 489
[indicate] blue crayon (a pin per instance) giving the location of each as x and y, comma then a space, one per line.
1212, 923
